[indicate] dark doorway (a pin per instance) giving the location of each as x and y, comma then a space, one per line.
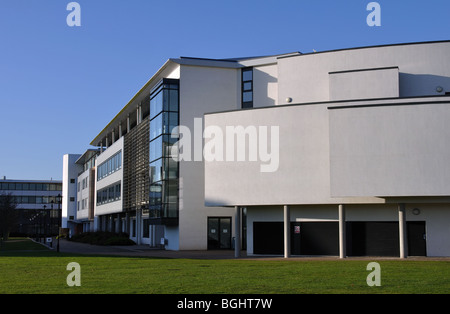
317, 238
307, 238
219, 233
373, 238
268, 238
417, 243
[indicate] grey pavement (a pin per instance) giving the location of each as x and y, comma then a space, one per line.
66, 246
146, 251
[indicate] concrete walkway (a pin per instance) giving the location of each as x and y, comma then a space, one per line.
66, 246
146, 251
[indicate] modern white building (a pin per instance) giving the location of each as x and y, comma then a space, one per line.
329, 153
361, 149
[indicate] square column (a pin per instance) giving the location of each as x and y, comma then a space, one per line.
287, 231
342, 233
237, 232
402, 231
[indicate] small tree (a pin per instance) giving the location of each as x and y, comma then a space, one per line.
8, 215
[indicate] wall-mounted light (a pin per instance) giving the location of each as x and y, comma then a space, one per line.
439, 89
416, 211
288, 99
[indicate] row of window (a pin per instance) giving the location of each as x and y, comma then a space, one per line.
109, 194
35, 200
84, 184
31, 186
110, 166
84, 204
247, 88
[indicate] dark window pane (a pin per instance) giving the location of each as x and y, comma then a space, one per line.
247, 75
173, 100
247, 96
247, 86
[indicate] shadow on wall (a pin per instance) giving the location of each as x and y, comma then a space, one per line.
423, 85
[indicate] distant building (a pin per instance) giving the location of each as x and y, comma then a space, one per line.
78, 191
37, 204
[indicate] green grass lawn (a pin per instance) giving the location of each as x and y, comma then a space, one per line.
43, 271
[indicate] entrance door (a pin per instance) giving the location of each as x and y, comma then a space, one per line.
416, 238
219, 233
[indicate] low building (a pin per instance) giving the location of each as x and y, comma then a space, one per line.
37, 206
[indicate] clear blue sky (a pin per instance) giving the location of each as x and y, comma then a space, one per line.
60, 85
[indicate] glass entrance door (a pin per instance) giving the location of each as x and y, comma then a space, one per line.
219, 233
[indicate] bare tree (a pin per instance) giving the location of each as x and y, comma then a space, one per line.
8, 215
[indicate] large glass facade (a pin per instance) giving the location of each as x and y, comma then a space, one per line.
164, 109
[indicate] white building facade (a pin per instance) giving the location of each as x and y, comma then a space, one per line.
331, 153
362, 155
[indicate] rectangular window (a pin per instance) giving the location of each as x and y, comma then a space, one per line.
109, 166
108, 194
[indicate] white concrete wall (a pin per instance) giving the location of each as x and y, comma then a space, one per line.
202, 89
422, 67
364, 84
398, 150
70, 171
265, 85
303, 173
113, 207
83, 194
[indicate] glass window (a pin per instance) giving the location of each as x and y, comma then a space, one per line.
247, 86
156, 126
117, 196
247, 96
173, 106
247, 75
156, 105
156, 171
146, 228
156, 148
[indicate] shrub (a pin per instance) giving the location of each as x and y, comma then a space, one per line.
103, 238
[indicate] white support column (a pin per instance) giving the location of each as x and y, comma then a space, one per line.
120, 130
107, 142
113, 136
237, 231
128, 124
342, 233
402, 231
287, 231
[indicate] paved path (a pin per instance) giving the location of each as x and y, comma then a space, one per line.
139, 250
146, 251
